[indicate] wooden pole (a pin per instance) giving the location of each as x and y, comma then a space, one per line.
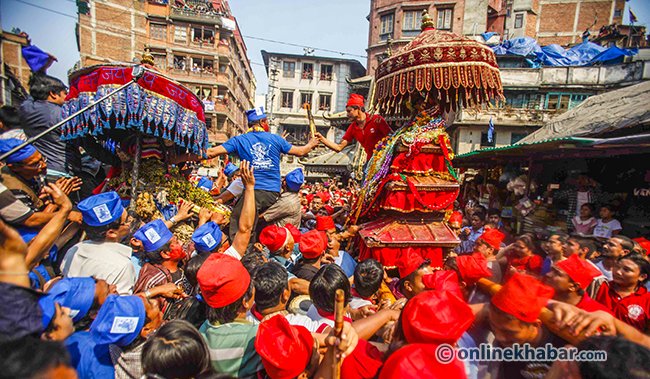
339, 308
546, 316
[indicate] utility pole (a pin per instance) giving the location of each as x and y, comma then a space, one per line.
270, 95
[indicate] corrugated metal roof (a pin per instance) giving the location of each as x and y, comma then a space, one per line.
522, 146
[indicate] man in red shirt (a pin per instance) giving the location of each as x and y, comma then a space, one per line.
569, 278
365, 129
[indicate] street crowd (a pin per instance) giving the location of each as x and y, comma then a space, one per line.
253, 295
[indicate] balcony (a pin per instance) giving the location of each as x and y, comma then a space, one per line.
223, 50
205, 75
223, 78
197, 10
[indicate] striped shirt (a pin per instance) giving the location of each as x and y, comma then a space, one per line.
232, 348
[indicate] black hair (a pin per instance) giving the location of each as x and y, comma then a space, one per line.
591, 207
411, 277
31, 357
480, 213
561, 236
529, 240
154, 256
610, 207
324, 284
641, 261
585, 243
9, 117
368, 276
41, 85
625, 359
493, 211
270, 281
192, 268
252, 261
626, 242
190, 309
98, 233
177, 350
229, 312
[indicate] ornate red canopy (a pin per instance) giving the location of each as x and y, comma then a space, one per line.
453, 69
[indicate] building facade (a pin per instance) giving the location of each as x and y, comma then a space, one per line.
14, 71
534, 96
393, 23
298, 79
196, 42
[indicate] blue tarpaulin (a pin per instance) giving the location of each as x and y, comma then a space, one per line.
584, 54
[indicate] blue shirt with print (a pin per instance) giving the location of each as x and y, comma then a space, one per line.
263, 151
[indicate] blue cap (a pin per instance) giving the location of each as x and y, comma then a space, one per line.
255, 114
102, 209
77, 294
48, 308
230, 169
7, 144
207, 237
205, 183
295, 179
154, 235
119, 320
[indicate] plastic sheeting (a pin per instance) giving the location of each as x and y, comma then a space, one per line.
584, 54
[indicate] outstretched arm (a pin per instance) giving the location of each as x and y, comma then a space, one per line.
301, 151
247, 216
216, 151
332, 145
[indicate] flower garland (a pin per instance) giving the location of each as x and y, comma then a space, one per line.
424, 129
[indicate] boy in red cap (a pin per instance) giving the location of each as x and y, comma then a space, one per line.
412, 267
469, 268
569, 278
514, 319
312, 246
228, 293
325, 224
365, 129
279, 241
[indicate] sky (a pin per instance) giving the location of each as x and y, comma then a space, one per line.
338, 25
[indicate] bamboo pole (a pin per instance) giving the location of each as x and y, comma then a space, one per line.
339, 307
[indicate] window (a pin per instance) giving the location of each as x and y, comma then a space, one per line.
445, 16
576, 99
158, 31
412, 20
617, 12
324, 102
288, 69
202, 35
305, 98
160, 61
202, 65
516, 137
519, 20
203, 92
485, 142
564, 101
326, 72
523, 100
308, 71
287, 99
180, 34
508, 10
386, 26
180, 62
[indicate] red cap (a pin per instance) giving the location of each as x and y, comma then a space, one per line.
223, 280
645, 244
325, 196
436, 317
364, 362
493, 237
285, 349
579, 270
456, 219
443, 280
472, 267
419, 361
329, 209
523, 296
295, 233
355, 100
324, 223
313, 244
274, 237
408, 262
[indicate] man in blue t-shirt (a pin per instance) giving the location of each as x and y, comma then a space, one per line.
263, 150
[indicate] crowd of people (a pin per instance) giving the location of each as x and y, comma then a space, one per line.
89, 290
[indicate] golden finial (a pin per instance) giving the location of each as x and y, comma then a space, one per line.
427, 21
147, 58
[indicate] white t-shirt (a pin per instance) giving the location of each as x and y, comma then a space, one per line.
605, 229
294, 319
357, 302
236, 187
582, 198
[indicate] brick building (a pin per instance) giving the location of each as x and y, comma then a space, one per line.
393, 23
14, 71
198, 44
